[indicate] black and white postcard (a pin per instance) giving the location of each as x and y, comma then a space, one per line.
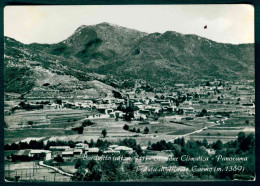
129, 93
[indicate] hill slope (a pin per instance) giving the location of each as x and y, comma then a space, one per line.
105, 49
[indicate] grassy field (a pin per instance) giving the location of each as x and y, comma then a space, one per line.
12, 136
50, 117
62, 120
32, 171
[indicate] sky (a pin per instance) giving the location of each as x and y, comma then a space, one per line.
51, 24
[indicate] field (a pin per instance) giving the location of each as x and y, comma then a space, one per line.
167, 129
12, 136
226, 132
164, 130
31, 171
54, 117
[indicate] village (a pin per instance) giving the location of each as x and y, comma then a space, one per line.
64, 129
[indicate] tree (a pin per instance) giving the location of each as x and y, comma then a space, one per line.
204, 112
5, 125
91, 144
58, 101
104, 132
79, 163
126, 127
218, 145
205, 143
182, 143
180, 112
138, 150
59, 159
146, 130
80, 130
87, 123
241, 137
138, 130
129, 112
22, 104
17, 178
30, 122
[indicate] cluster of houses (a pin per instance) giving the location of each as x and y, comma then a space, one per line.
150, 105
67, 152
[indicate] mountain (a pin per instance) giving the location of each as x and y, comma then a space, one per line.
97, 52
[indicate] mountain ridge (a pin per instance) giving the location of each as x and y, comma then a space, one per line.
111, 50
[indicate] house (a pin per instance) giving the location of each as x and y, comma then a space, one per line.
155, 110
32, 154
35, 152
189, 97
187, 103
159, 101
203, 95
110, 151
59, 148
146, 101
195, 102
190, 113
68, 153
106, 101
77, 152
119, 101
221, 122
118, 114
138, 115
93, 151
52, 106
22, 155
144, 111
166, 104
85, 105
88, 102
81, 146
249, 105
124, 149
105, 110
139, 105
210, 151
112, 146
188, 109
170, 97
171, 109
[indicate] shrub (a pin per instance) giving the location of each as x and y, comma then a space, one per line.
146, 130
104, 132
126, 127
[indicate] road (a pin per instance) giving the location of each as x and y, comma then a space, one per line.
196, 131
55, 168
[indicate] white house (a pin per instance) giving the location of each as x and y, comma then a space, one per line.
93, 151
68, 153
59, 148
34, 152
124, 148
81, 146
